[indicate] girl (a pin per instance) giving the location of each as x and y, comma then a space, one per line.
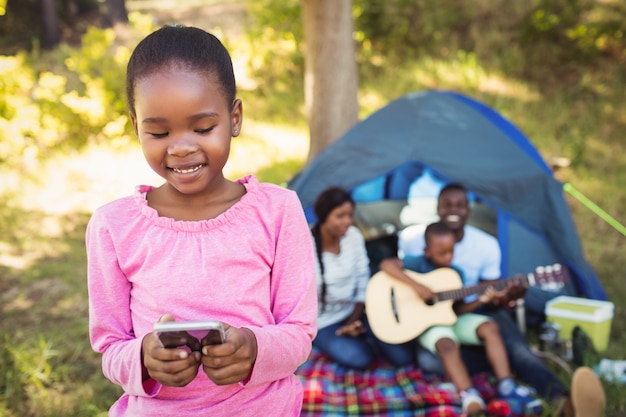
198, 247
342, 276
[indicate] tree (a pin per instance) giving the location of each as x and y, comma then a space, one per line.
331, 76
51, 32
116, 12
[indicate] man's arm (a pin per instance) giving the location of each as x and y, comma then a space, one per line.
507, 296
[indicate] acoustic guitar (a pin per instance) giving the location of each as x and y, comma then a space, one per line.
396, 314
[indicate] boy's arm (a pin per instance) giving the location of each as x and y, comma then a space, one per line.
395, 268
490, 297
461, 307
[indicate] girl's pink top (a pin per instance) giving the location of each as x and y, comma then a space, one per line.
252, 266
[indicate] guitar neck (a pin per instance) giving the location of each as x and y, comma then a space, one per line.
498, 284
550, 275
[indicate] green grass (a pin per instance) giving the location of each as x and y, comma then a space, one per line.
48, 368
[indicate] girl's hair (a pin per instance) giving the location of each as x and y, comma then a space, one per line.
187, 48
325, 203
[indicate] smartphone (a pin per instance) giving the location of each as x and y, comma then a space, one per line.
192, 334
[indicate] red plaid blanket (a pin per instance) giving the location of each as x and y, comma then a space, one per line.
331, 390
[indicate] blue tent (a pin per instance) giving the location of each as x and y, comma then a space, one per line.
462, 140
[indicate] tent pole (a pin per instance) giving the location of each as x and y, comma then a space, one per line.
594, 207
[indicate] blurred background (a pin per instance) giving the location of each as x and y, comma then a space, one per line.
555, 68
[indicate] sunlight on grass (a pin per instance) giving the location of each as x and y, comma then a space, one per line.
462, 75
11, 260
468, 74
16, 302
262, 145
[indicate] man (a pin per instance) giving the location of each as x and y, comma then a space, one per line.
478, 255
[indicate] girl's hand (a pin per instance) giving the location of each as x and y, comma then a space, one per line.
233, 360
173, 367
353, 329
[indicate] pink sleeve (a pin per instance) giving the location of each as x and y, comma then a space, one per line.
110, 324
286, 345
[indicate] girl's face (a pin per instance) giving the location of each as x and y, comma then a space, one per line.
440, 249
339, 220
185, 124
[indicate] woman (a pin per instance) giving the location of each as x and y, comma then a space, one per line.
342, 274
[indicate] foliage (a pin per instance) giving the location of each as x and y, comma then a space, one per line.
407, 25
276, 59
520, 38
64, 99
20, 25
567, 33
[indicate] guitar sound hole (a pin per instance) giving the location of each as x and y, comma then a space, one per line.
394, 307
430, 302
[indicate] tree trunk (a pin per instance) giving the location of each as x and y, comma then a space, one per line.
331, 77
116, 12
51, 32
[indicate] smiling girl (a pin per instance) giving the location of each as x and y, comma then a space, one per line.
198, 247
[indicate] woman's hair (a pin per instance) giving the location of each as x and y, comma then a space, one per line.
325, 203
181, 47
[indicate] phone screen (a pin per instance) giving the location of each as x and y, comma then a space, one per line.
192, 335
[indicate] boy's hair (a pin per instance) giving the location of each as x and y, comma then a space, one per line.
436, 229
188, 48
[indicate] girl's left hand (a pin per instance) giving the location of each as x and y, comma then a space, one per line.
233, 360
353, 329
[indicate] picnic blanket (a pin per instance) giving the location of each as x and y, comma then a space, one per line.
383, 390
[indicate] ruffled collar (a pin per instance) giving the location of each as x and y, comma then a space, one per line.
252, 191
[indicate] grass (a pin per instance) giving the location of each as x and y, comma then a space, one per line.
48, 367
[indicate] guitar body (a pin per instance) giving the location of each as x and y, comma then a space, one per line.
395, 312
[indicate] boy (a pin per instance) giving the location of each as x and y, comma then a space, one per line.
470, 328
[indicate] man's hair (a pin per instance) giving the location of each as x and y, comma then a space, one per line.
453, 186
183, 47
